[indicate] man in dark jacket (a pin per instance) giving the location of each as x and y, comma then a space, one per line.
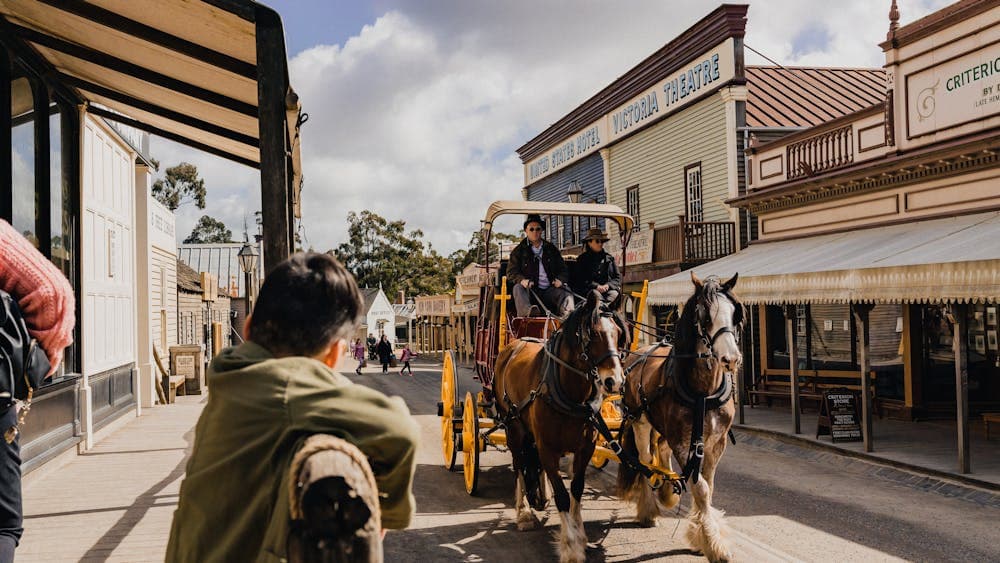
596, 269
536, 264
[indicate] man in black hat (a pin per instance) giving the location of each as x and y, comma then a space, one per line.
536, 264
596, 269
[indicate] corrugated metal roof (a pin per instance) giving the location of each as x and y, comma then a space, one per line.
952, 259
805, 97
221, 260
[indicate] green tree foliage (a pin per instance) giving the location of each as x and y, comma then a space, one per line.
382, 251
181, 183
462, 257
209, 230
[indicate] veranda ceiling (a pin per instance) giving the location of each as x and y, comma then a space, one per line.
182, 69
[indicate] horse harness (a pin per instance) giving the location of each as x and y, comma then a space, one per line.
700, 404
551, 390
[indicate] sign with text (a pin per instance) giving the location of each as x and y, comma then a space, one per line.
699, 75
161, 227
434, 306
639, 251
838, 416
958, 91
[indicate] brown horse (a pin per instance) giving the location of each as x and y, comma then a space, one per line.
665, 389
546, 395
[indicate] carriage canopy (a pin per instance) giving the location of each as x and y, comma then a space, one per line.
607, 211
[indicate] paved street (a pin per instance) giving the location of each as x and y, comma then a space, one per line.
780, 505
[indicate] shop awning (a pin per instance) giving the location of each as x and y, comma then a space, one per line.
211, 74
956, 259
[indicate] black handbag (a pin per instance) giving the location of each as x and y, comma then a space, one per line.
23, 363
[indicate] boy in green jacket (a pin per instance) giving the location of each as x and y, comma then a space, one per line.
267, 396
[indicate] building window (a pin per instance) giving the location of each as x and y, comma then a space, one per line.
692, 190
23, 198
553, 229
632, 204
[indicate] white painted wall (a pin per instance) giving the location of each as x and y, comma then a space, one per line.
108, 257
381, 310
109, 324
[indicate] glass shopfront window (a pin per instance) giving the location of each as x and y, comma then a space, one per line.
54, 207
25, 202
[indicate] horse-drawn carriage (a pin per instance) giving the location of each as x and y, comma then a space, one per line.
469, 421
546, 386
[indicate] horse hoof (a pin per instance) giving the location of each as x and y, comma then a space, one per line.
527, 523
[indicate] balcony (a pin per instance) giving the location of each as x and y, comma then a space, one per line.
689, 243
838, 144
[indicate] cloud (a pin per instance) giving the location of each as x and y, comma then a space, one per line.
417, 116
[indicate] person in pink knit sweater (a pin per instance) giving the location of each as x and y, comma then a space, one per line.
46, 300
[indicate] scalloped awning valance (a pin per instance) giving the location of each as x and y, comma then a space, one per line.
956, 259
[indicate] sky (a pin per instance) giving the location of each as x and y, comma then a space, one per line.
416, 107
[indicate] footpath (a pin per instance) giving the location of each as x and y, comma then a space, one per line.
115, 502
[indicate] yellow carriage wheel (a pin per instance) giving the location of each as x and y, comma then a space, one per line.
471, 444
449, 398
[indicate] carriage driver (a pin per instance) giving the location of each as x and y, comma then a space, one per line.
596, 269
537, 264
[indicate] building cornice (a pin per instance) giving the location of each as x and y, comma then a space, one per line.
728, 20
933, 23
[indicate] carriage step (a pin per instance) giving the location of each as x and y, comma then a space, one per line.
440, 408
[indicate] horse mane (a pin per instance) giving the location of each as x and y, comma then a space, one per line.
580, 321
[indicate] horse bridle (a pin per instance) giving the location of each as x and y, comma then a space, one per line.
709, 342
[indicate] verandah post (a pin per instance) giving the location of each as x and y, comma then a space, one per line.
793, 364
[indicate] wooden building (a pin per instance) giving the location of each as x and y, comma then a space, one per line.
878, 257
666, 141
209, 74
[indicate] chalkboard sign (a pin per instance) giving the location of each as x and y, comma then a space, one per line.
838, 416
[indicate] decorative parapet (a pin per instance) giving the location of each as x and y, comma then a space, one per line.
840, 143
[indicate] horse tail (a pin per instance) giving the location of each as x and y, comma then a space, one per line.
628, 476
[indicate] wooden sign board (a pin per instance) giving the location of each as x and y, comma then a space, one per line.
838, 416
434, 306
209, 287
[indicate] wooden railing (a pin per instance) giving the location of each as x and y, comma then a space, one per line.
687, 243
826, 151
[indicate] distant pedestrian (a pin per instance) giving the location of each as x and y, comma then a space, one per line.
384, 351
358, 351
46, 303
405, 357
372, 341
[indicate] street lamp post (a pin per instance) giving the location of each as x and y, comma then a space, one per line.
574, 194
248, 256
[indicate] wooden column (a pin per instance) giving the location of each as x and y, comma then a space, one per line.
43, 154
959, 316
468, 338
433, 342
271, 90
861, 313
793, 366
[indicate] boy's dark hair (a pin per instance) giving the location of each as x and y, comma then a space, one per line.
305, 303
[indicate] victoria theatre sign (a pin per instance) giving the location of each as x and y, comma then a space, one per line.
700, 75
